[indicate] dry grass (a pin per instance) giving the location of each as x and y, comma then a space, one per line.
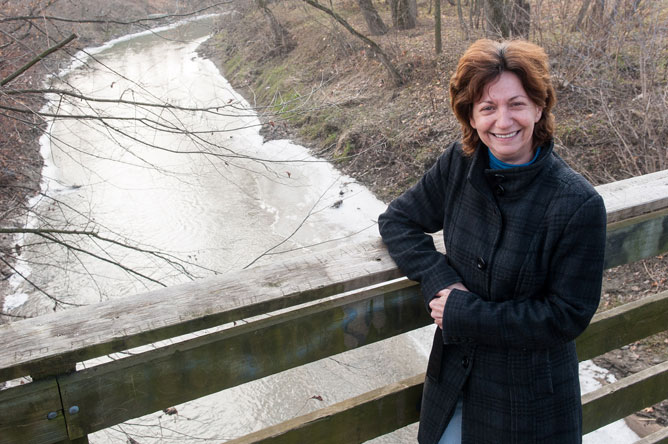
611, 80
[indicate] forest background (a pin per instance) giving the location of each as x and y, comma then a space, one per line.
364, 84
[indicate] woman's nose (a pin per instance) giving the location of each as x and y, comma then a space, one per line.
504, 119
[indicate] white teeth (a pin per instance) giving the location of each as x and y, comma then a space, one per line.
506, 136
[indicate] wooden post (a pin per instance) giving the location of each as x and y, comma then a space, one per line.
64, 411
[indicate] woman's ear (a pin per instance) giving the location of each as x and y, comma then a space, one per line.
539, 113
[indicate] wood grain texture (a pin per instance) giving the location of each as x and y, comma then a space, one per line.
43, 345
659, 437
114, 392
635, 196
355, 420
623, 325
24, 411
48, 343
344, 282
624, 397
637, 238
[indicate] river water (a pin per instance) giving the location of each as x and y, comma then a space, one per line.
204, 187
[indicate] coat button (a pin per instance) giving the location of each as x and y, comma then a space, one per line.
499, 190
465, 362
481, 264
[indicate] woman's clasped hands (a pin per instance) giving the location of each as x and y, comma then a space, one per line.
437, 305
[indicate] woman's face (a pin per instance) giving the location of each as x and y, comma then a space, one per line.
504, 118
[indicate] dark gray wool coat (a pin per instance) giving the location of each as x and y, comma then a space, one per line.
528, 243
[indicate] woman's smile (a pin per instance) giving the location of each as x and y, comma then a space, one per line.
507, 136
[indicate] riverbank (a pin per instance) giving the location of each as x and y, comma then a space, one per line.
332, 94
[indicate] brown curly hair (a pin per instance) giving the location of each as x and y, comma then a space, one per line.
483, 62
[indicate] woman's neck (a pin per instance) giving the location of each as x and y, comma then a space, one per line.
497, 164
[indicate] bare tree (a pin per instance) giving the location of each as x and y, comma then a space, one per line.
508, 18
282, 40
581, 15
373, 21
438, 44
431, 2
403, 15
460, 16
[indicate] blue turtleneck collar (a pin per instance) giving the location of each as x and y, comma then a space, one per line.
497, 164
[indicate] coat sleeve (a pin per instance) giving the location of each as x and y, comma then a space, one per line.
558, 315
405, 225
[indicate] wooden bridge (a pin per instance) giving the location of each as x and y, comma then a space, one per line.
303, 303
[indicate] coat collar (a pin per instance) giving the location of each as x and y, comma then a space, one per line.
507, 183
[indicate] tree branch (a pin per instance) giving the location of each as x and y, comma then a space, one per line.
37, 287
45, 235
41, 56
384, 59
112, 21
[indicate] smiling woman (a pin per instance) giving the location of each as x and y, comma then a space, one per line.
524, 236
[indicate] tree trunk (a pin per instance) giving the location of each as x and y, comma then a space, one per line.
401, 14
282, 40
520, 21
437, 27
373, 21
462, 23
598, 10
508, 18
412, 7
581, 15
597, 23
496, 19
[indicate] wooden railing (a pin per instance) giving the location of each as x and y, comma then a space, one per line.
64, 405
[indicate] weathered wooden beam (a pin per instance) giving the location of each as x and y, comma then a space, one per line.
32, 413
354, 420
636, 196
624, 397
34, 346
658, 437
111, 393
622, 325
637, 238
